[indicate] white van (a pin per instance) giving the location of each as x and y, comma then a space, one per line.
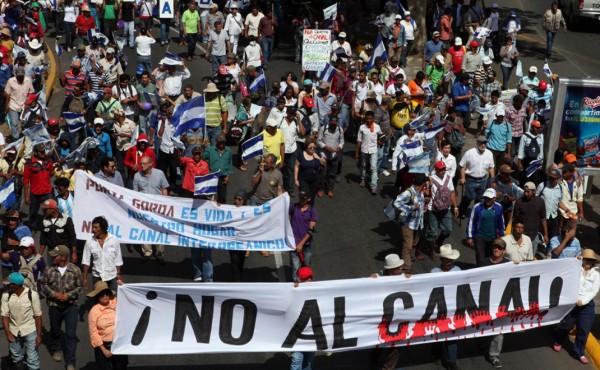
576, 9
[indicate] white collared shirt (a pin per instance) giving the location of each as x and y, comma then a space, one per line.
106, 258
518, 252
475, 164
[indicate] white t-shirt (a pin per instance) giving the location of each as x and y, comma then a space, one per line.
127, 92
410, 29
449, 161
290, 135
252, 54
336, 45
145, 7
252, 23
142, 44
380, 91
71, 13
234, 25
391, 90
475, 164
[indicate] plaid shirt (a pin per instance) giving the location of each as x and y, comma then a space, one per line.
405, 203
516, 119
53, 282
488, 87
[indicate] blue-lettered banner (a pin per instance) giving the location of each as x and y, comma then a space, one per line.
138, 218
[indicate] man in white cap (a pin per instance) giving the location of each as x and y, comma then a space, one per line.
476, 167
499, 136
397, 38
449, 349
111, 66
457, 52
394, 266
531, 79
340, 43
486, 224
172, 80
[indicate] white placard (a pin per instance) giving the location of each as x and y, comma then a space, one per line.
316, 49
166, 9
138, 218
343, 315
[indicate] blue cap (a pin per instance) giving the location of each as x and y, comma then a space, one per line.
22, 231
139, 70
308, 82
16, 278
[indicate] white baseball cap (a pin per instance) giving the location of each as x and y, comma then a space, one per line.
342, 35
533, 69
500, 112
486, 60
440, 59
458, 41
489, 193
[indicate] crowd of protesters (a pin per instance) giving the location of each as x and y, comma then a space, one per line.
414, 127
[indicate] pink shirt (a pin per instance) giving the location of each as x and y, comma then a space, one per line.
18, 92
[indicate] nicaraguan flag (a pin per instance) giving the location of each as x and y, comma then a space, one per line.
74, 121
37, 133
258, 83
15, 144
419, 121
151, 98
102, 38
172, 59
327, 73
431, 132
189, 115
419, 163
82, 149
207, 184
58, 49
7, 193
412, 149
120, 40
401, 9
252, 147
533, 166
379, 51
92, 97
17, 49
481, 32
546, 68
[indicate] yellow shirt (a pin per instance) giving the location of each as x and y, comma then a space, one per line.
272, 144
401, 117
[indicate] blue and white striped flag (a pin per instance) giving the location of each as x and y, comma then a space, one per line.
379, 51
533, 166
82, 149
252, 147
15, 144
401, 9
419, 163
17, 49
74, 121
207, 184
419, 121
102, 38
37, 133
431, 132
189, 115
546, 68
412, 149
171, 59
92, 97
120, 40
327, 73
151, 98
7, 193
258, 83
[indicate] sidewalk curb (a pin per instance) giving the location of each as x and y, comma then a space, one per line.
592, 347
52, 73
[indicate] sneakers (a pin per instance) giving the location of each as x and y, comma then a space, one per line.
198, 279
56, 356
362, 183
496, 363
584, 360
385, 173
556, 347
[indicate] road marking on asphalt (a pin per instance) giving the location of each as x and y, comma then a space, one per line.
564, 53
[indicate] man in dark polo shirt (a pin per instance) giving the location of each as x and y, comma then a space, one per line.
531, 210
58, 229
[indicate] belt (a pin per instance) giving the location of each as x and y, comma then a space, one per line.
476, 178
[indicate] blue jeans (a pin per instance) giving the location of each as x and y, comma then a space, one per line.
382, 154
129, 33
442, 222
549, 42
25, 344
583, 318
212, 133
346, 113
165, 24
70, 316
266, 44
371, 161
202, 264
449, 352
302, 360
145, 61
216, 61
13, 123
296, 263
506, 72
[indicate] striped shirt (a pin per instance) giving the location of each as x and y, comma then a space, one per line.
65, 206
71, 81
214, 108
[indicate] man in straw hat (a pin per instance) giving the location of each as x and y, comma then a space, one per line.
583, 314
449, 349
62, 283
216, 113
22, 320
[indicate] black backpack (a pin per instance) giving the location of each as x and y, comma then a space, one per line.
533, 149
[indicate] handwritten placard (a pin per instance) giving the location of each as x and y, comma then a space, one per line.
316, 48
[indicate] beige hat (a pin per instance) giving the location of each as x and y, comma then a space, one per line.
214, 6
99, 287
446, 251
392, 261
589, 254
119, 112
211, 88
34, 44
6, 32
371, 94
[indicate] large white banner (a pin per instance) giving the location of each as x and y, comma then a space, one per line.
341, 315
138, 218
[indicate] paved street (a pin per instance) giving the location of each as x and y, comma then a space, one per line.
353, 234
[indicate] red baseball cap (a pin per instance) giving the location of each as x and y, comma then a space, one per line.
305, 273
31, 98
474, 44
440, 165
